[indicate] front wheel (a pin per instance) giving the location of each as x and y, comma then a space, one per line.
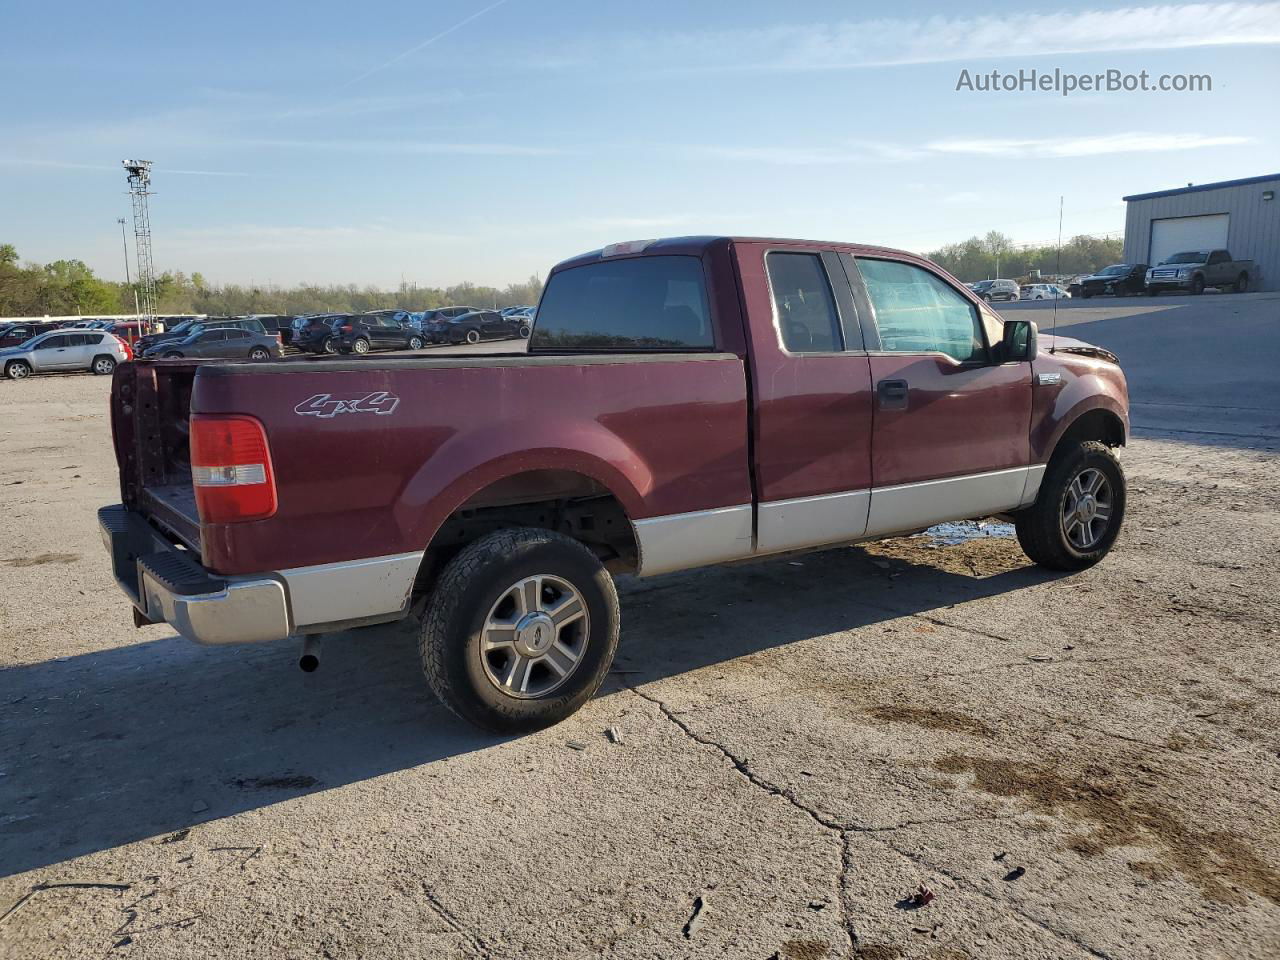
361, 346
525, 330
259, 353
1197, 286
473, 336
520, 631
173, 355
1078, 511
17, 369
330, 345
415, 343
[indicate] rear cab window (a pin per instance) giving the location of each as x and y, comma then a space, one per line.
633, 304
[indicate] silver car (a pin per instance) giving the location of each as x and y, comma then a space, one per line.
62, 350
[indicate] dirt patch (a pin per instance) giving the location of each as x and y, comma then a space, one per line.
1219, 864
41, 558
805, 950
931, 719
976, 558
878, 951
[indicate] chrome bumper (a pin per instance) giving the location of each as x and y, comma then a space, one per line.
167, 584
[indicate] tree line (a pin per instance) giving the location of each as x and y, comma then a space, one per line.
67, 287
70, 287
979, 258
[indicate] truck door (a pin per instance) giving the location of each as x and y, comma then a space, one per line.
952, 427
811, 397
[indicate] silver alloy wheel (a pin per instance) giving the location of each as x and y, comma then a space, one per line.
415, 343
1086, 509
534, 636
258, 354
360, 346
18, 371
473, 336
330, 346
103, 365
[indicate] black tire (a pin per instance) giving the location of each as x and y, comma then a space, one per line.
361, 346
415, 343
259, 354
17, 369
1197, 286
329, 346
1153, 292
467, 590
103, 365
473, 336
1241, 284
1085, 294
173, 355
1041, 528
525, 330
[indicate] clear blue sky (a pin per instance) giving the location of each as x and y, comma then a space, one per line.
353, 142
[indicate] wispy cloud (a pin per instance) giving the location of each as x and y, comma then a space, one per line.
424, 44
865, 151
1085, 146
409, 147
881, 42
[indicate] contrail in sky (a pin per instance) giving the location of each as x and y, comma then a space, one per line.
425, 43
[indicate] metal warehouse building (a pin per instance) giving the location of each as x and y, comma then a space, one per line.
1242, 216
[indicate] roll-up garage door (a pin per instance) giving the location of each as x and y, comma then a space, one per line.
1176, 234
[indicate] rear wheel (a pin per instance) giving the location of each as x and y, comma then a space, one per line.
17, 369
520, 631
173, 355
1241, 284
415, 343
361, 345
259, 353
473, 336
330, 346
103, 365
1078, 511
525, 330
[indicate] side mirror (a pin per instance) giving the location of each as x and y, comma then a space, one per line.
1019, 341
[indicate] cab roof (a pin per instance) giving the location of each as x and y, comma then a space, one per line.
698, 245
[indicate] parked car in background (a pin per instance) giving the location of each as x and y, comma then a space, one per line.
64, 350
187, 328
228, 343
319, 333
478, 325
1119, 279
1043, 291
990, 290
1194, 270
13, 334
377, 331
442, 313
274, 323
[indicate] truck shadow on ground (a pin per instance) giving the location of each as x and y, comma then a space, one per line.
112, 747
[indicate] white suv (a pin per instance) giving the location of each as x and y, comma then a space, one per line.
64, 350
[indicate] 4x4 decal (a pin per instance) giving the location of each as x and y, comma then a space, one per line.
326, 406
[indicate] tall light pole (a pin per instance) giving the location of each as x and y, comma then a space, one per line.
127, 279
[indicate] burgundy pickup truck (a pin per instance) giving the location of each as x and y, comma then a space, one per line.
683, 402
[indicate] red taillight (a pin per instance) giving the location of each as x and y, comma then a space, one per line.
128, 350
231, 469
347, 328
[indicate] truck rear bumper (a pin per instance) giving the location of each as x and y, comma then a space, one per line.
167, 584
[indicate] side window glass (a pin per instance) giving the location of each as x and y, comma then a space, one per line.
916, 312
803, 303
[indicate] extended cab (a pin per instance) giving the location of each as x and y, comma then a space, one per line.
683, 402
1194, 270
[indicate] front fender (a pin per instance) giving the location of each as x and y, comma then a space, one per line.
1087, 385
471, 461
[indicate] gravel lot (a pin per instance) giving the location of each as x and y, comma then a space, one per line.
1076, 766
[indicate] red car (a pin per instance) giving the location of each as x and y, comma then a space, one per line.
683, 402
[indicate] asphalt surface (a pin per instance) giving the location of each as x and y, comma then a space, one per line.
1074, 766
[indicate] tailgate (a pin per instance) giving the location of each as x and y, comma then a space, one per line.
150, 426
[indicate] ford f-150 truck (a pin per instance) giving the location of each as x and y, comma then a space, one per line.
683, 402
1196, 269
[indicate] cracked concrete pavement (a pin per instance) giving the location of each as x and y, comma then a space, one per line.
1076, 766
